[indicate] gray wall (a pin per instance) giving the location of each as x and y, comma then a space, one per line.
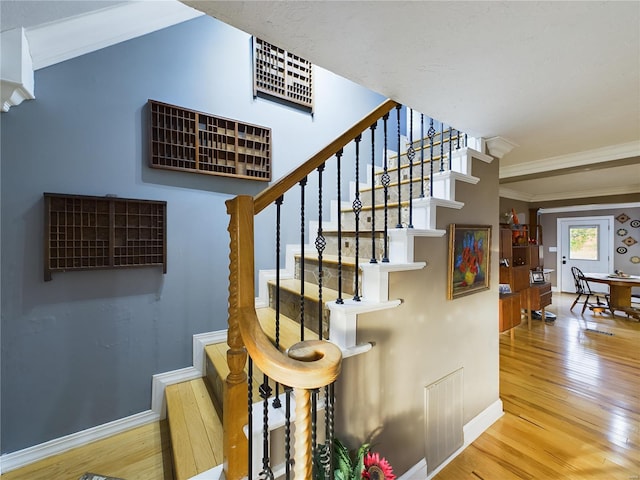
80, 350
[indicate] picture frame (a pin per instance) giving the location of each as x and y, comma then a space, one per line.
537, 276
469, 260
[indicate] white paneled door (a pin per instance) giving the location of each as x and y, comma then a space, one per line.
586, 243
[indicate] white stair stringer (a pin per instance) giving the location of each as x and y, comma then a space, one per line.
444, 183
424, 212
462, 159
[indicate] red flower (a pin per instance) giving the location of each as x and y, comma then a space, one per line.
376, 468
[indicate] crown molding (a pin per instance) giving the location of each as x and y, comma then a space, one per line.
499, 146
572, 160
547, 197
588, 208
515, 194
16, 71
62, 40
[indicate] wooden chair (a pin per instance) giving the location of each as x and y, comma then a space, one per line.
584, 289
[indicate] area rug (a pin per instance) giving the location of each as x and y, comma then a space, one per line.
93, 476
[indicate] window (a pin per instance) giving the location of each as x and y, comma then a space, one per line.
583, 242
281, 74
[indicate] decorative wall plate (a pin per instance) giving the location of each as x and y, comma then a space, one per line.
635, 223
622, 232
623, 217
621, 250
629, 241
635, 259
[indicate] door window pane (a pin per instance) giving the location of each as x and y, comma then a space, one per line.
583, 242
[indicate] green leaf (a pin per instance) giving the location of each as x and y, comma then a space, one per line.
342, 459
358, 464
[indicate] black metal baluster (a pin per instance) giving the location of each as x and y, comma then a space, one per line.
250, 415
357, 208
276, 399
265, 392
422, 155
339, 300
458, 140
373, 194
399, 224
430, 133
321, 243
441, 148
327, 452
411, 154
303, 183
287, 434
386, 181
465, 140
450, 149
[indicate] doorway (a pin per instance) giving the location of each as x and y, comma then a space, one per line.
586, 243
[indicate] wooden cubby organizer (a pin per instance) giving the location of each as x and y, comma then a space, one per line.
282, 74
87, 233
192, 141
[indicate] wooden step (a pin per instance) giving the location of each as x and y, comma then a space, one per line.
195, 429
327, 259
331, 271
218, 369
311, 290
290, 304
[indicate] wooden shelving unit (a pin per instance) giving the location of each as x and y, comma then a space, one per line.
87, 233
197, 142
521, 248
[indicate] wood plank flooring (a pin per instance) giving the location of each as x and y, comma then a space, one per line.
571, 395
142, 453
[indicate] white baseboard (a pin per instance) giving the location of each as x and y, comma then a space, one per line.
163, 380
417, 472
21, 458
14, 460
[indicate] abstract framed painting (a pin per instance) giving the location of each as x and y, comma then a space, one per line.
469, 259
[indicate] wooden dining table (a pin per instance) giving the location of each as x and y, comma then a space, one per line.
619, 291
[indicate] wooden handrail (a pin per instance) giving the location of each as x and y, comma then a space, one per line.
310, 364
279, 188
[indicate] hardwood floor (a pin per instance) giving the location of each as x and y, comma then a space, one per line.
138, 454
571, 394
572, 411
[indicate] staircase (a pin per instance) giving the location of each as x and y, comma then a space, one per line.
326, 307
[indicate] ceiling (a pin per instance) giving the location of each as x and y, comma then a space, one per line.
561, 80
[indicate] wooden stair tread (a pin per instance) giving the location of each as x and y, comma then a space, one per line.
331, 259
416, 179
289, 329
311, 290
366, 208
195, 429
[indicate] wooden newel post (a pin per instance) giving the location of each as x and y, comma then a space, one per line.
234, 418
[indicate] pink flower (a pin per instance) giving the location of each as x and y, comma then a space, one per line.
376, 468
